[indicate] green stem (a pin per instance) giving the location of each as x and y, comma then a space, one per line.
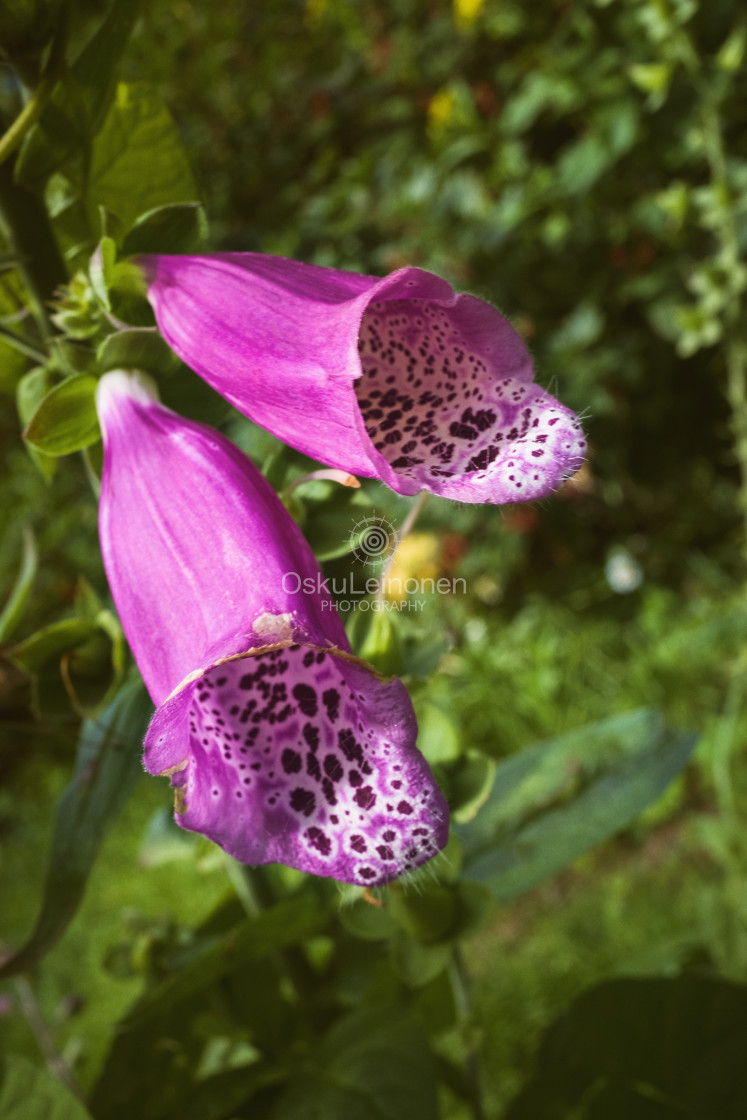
22, 346
460, 982
33, 109
298, 971
407, 526
26, 227
27, 118
56, 1063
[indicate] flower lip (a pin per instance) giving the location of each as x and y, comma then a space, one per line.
309, 742
448, 404
405, 380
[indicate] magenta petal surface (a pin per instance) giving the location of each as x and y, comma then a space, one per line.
396, 378
280, 745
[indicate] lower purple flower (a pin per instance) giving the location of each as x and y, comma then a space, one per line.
281, 745
396, 378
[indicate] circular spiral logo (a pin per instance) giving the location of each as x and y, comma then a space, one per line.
372, 539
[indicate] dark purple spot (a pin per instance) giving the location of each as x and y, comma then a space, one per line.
312, 766
366, 798
333, 767
291, 761
303, 801
319, 840
311, 735
329, 792
349, 747
306, 697
331, 700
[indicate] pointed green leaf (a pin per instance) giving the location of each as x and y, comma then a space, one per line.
291, 921
180, 228
650, 1047
52, 641
555, 801
66, 419
107, 768
13, 609
80, 101
371, 1065
138, 133
101, 270
137, 348
30, 1093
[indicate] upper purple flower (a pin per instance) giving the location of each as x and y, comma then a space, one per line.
282, 746
397, 379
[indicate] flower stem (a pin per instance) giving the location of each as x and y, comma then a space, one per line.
56, 1063
25, 225
34, 107
257, 894
407, 526
463, 996
22, 346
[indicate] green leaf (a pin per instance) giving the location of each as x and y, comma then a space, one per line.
429, 914
676, 1045
371, 1065
12, 361
476, 905
52, 641
107, 768
293, 920
30, 1093
435, 1004
101, 270
13, 609
66, 419
71, 357
555, 801
471, 785
180, 228
81, 100
731, 54
138, 133
438, 738
368, 921
418, 964
140, 348
377, 641
328, 525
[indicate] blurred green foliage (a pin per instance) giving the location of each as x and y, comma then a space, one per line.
583, 165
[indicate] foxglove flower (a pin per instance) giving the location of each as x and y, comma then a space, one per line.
281, 745
397, 379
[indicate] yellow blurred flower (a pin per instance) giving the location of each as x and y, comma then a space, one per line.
466, 12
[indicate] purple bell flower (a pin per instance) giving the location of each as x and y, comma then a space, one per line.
282, 746
397, 379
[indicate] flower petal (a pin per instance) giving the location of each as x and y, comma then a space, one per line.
196, 544
279, 743
300, 757
442, 420
395, 378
